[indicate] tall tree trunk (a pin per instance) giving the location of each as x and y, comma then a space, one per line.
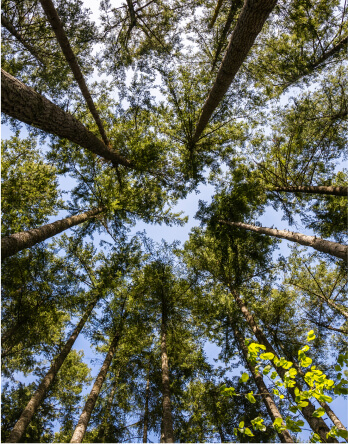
236, 4
271, 407
63, 41
23, 103
14, 243
317, 424
249, 24
329, 190
330, 413
325, 246
12, 30
104, 426
82, 424
146, 409
167, 412
131, 13
35, 401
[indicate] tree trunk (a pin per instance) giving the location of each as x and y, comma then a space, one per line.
319, 244
249, 24
11, 245
131, 13
329, 190
231, 14
12, 30
35, 401
317, 424
81, 427
146, 410
23, 103
271, 407
167, 413
63, 41
103, 428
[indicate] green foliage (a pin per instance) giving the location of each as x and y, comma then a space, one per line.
29, 186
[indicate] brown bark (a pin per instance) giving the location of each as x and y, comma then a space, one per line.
216, 12
12, 30
317, 424
231, 14
131, 13
63, 41
23, 103
271, 407
35, 401
329, 190
167, 420
82, 424
146, 410
323, 245
11, 245
249, 25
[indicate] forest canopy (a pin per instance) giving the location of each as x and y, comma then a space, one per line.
111, 122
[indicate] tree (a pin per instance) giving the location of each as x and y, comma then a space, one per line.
246, 96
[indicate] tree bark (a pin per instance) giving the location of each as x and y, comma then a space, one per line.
325, 246
329, 190
23, 103
231, 14
63, 41
12, 30
14, 243
249, 25
271, 407
167, 420
317, 424
146, 410
82, 424
35, 401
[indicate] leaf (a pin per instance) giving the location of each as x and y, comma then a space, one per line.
248, 432
241, 425
342, 433
267, 369
274, 375
319, 412
244, 377
306, 362
278, 422
302, 404
265, 356
310, 336
316, 438
287, 365
250, 398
